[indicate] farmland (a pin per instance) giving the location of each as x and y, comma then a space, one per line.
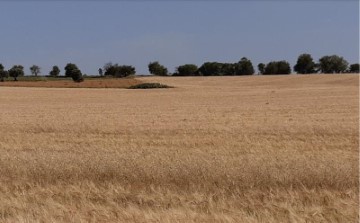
211, 149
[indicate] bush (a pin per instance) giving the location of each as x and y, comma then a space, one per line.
149, 86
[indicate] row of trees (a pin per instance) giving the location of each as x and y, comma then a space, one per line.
305, 65
71, 70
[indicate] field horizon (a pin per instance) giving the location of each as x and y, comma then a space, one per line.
281, 148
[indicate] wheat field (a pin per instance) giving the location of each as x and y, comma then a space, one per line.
212, 149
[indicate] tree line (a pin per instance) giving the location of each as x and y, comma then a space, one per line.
71, 70
305, 65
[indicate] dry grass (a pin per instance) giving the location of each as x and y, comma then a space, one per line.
228, 149
88, 83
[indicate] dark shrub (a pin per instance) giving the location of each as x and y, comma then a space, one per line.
149, 85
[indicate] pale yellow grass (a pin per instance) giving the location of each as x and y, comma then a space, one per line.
217, 149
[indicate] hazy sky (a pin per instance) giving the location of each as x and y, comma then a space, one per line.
91, 33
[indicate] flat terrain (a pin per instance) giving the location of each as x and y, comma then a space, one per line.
213, 149
68, 83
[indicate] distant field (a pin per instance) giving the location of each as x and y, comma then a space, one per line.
59, 82
212, 149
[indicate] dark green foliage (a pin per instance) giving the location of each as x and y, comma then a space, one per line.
261, 68
77, 76
305, 64
16, 71
118, 71
35, 70
186, 70
244, 67
278, 67
3, 73
354, 68
71, 70
157, 69
333, 64
228, 69
211, 69
55, 71
149, 85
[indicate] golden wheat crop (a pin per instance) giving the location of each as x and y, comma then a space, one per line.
213, 149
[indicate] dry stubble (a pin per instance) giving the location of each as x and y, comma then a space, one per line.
217, 149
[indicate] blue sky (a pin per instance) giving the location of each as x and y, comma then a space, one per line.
92, 33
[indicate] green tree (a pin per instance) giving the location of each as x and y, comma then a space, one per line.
118, 71
305, 64
35, 70
333, 64
125, 70
16, 71
261, 68
244, 67
3, 73
354, 68
278, 67
100, 72
71, 70
157, 69
211, 69
228, 69
55, 71
186, 70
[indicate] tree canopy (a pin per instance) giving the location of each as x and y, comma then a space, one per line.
156, 68
186, 70
278, 67
71, 70
305, 64
35, 70
116, 70
55, 71
333, 64
16, 71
